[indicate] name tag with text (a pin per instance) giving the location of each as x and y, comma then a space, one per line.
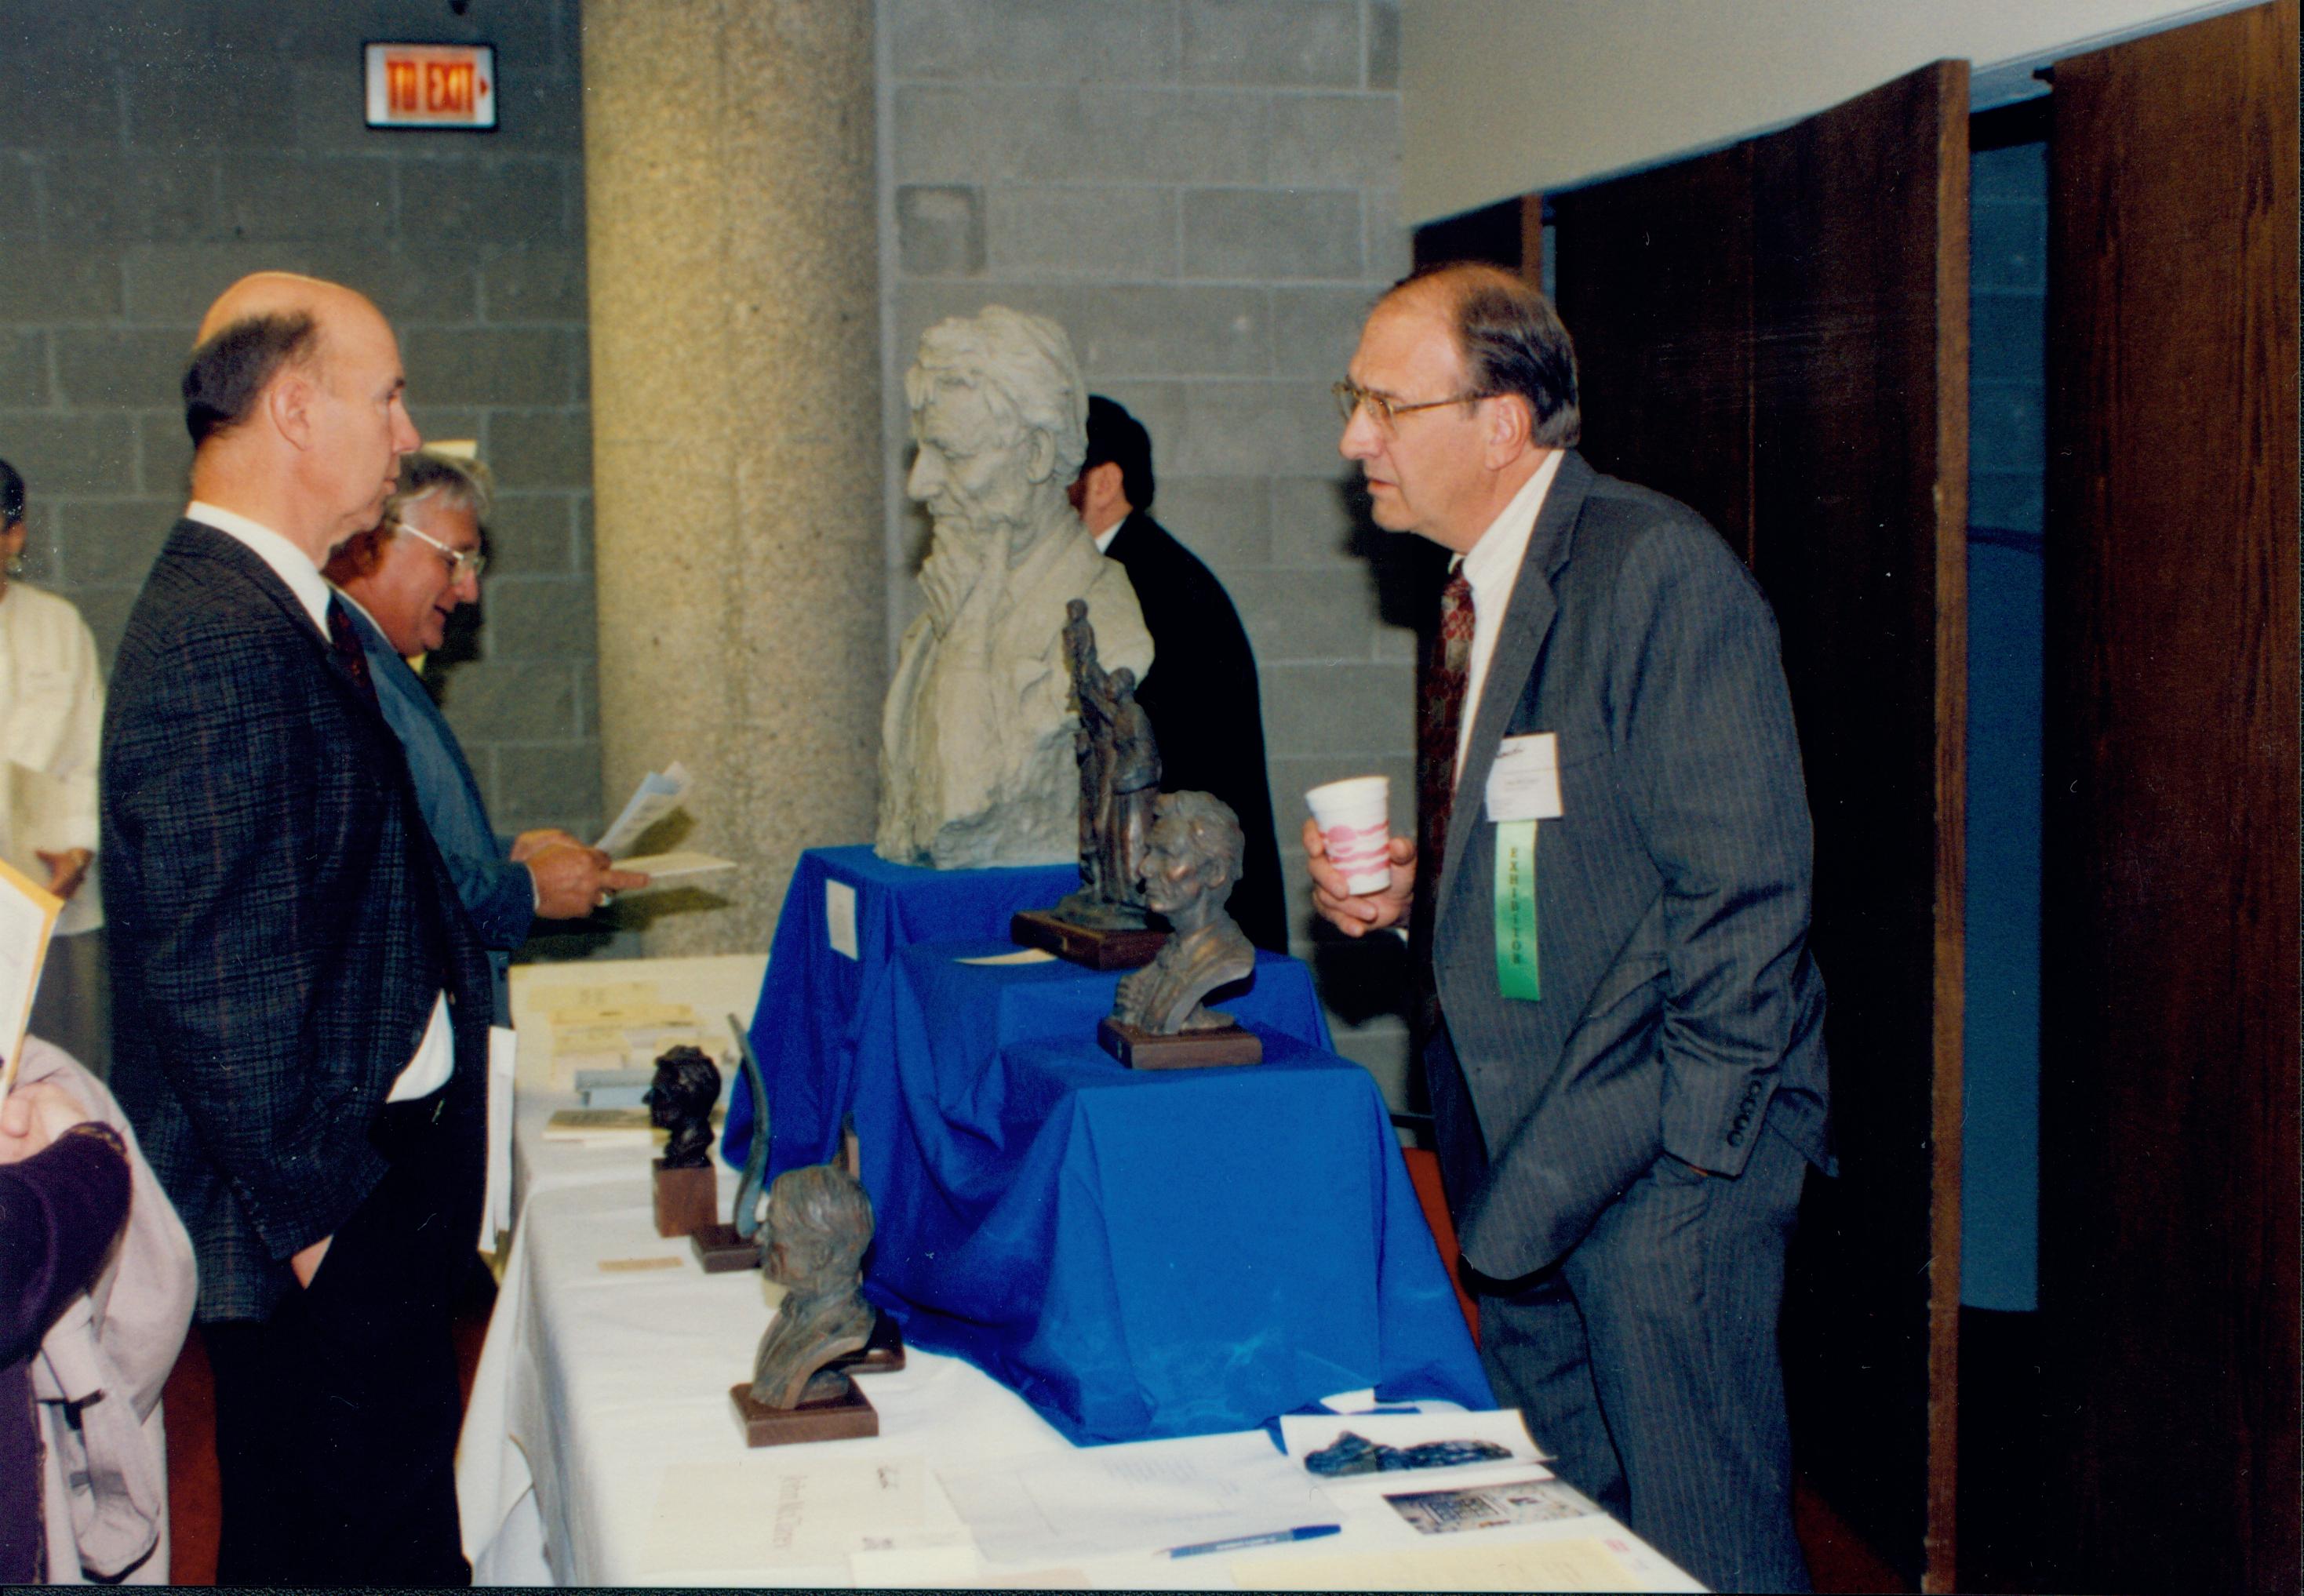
1524, 782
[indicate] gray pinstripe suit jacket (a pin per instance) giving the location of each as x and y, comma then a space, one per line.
1680, 1008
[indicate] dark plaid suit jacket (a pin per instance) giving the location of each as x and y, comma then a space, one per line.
280, 922
1680, 1012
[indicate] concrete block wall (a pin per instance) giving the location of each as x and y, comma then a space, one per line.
152, 150
1205, 194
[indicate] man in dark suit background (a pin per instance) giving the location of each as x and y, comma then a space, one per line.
404, 577
1201, 692
1624, 1030
303, 1007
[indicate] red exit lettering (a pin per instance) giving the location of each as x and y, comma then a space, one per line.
448, 88
401, 77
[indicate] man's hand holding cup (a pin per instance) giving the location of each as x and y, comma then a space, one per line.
1363, 878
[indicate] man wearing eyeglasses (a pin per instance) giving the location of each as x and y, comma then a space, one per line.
404, 577
1607, 906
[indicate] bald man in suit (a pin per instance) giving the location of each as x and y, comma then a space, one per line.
302, 1005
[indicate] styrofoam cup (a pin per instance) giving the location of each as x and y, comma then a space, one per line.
1354, 818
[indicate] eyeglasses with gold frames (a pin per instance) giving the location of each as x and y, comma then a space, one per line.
461, 562
1385, 409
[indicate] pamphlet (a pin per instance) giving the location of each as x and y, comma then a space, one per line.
654, 797
28, 918
1452, 1510
664, 868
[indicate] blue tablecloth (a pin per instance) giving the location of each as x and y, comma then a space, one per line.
1140, 1254
812, 1002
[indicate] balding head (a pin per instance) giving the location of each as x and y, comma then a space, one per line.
263, 322
292, 398
1509, 338
276, 293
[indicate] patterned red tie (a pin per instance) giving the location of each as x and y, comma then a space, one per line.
1447, 670
349, 650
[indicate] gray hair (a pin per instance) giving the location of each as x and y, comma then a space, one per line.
1022, 365
464, 484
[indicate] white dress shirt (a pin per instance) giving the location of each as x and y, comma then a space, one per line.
1104, 539
1492, 568
434, 1058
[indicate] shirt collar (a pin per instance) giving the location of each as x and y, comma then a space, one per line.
293, 565
1104, 539
1495, 559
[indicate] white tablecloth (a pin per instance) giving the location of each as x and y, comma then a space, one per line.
601, 1448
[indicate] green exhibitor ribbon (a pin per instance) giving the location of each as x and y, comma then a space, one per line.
1516, 971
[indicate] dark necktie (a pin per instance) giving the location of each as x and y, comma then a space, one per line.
347, 645
1447, 669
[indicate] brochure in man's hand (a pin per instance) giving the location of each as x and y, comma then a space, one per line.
657, 795
28, 918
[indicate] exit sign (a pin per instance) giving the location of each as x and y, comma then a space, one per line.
432, 86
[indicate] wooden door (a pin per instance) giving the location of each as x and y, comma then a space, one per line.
1654, 272
1777, 334
1860, 533
2169, 1234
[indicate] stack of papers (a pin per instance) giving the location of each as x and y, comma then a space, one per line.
657, 795
614, 1025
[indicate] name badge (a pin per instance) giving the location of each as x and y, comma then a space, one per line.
1524, 782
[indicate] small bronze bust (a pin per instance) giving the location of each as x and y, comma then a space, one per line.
1190, 862
680, 1099
820, 1222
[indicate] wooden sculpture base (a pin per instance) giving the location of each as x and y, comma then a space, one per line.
1121, 950
884, 1353
721, 1249
836, 1418
685, 1200
1187, 1050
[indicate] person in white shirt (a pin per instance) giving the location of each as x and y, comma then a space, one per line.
51, 714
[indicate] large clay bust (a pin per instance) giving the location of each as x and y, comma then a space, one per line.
976, 764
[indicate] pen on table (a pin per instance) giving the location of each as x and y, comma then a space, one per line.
1303, 1532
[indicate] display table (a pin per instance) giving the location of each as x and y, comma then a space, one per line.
600, 1449
1138, 1253
844, 915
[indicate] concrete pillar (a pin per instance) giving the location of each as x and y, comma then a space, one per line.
734, 264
